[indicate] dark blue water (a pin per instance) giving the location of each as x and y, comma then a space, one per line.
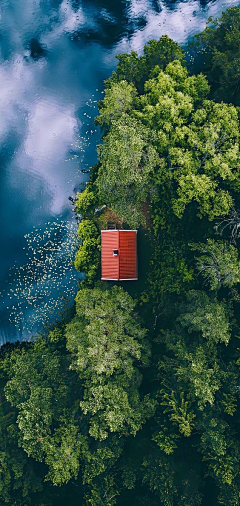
54, 57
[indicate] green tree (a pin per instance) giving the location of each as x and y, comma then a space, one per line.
170, 134
40, 389
199, 139
118, 100
137, 70
207, 316
198, 389
107, 344
127, 159
85, 202
220, 449
87, 258
19, 483
218, 263
174, 479
219, 44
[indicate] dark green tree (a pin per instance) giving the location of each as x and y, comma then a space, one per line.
39, 387
137, 70
218, 263
108, 346
219, 46
19, 483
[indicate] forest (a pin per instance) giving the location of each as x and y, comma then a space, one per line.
132, 398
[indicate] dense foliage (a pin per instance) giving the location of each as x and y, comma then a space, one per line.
219, 45
134, 400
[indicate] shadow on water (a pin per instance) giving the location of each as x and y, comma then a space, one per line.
114, 21
36, 49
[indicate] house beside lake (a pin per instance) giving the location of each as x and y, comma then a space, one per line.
119, 255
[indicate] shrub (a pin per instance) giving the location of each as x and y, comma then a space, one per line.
88, 256
85, 201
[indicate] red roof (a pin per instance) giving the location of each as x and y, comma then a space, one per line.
119, 255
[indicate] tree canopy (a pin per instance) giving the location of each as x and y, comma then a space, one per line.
107, 343
219, 46
169, 133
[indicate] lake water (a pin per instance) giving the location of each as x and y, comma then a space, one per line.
53, 60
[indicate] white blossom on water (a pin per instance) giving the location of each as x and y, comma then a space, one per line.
40, 289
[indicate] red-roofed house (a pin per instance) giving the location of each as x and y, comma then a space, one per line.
119, 255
